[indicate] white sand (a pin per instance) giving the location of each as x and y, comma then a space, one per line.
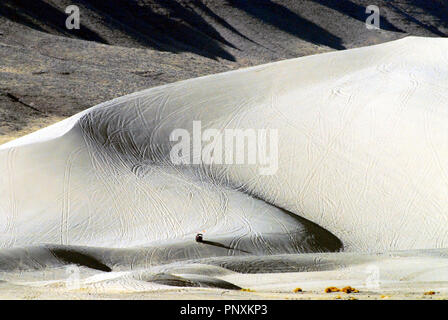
363, 153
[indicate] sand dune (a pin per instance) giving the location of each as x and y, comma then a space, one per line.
363, 149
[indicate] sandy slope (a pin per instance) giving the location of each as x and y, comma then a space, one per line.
402, 275
362, 154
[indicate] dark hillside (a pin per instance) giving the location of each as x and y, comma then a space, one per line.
48, 72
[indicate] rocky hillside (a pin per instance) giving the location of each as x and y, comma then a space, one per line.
48, 72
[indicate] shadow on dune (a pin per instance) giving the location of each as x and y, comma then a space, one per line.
26, 12
355, 11
70, 256
288, 21
194, 281
217, 244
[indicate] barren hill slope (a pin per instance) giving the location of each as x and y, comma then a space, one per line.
48, 72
